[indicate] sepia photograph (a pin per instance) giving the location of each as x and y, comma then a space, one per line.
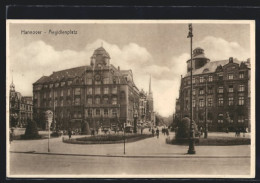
130, 98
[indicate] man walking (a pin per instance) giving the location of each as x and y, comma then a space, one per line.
157, 133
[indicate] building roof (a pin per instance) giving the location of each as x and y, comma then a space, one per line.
101, 51
62, 75
211, 67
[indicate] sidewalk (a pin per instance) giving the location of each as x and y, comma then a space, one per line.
151, 147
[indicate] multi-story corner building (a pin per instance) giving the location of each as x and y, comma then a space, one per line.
98, 94
221, 93
20, 108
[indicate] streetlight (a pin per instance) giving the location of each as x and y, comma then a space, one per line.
135, 120
191, 140
124, 137
206, 126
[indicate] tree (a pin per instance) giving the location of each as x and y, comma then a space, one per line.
184, 129
31, 131
85, 128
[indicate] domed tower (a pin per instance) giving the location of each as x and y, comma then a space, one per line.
100, 57
12, 87
199, 59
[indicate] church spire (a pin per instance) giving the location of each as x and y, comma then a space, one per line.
12, 87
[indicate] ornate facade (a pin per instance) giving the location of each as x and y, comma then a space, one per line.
20, 108
98, 94
221, 93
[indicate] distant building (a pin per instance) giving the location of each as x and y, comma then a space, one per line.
98, 94
20, 108
221, 93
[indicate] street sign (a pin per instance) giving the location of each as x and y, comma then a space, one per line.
49, 115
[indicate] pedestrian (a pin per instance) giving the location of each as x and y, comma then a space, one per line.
201, 130
69, 133
141, 130
11, 135
227, 130
167, 132
157, 133
153, 132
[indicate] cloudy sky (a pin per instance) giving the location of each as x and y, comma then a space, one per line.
159, 49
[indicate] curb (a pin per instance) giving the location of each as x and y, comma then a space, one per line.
130, 156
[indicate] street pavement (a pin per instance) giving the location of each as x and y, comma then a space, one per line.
146, 147
148, 157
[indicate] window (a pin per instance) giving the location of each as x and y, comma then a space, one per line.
241, 88
193, 103
105, 112
44, 95
201, 79
201, 103
220, 77
220, 89
97, 100
62, 83
97, 112
241, 75
61, 93
77, 91
68, 92
230, 101
194, 92
90, 112
51, 85
97, 90
89, 100
106, 90
193, 80
50, 104
61, 103
105, 100
89, 81
210, 78
89, 91
230, 76
114, 112
209, 102
210, 90
98, 82
220, 118
77, 101
241, 100
79, 114
55, 93
241, 119
106, 81
114, 90
230, 89
114, 100
220, 101
230, 118
201, 91
69, 82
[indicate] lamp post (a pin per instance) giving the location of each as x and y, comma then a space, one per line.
206, 125
191, 140
124, 137
135, 121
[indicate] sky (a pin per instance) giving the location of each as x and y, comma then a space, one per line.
157, 49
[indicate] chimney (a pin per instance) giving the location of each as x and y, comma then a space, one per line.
230, 59
118, 68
